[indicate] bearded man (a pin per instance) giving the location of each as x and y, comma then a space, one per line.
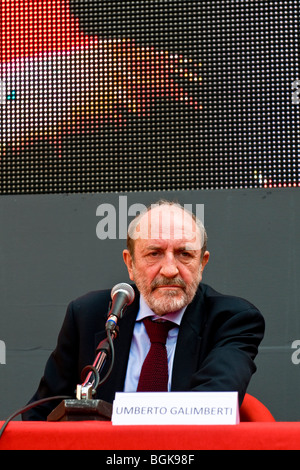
211, 341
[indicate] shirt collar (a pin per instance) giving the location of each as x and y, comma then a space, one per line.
145, 311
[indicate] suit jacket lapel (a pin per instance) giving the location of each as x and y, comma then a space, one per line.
188, 344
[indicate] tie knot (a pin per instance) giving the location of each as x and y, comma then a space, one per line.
158, 330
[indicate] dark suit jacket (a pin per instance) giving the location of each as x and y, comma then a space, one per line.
217, 342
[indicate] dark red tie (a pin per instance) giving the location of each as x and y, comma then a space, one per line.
154, 373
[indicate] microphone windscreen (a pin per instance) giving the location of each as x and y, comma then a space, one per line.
126, 288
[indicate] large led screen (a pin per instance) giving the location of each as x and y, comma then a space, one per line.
120, 96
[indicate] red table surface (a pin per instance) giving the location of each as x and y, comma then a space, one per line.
94, 435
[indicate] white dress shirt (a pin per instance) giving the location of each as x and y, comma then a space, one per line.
140, 345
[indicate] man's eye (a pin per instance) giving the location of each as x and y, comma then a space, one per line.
186, 254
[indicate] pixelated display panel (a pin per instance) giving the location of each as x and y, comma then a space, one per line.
118, 96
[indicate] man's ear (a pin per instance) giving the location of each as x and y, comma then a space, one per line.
129, 262
205, 259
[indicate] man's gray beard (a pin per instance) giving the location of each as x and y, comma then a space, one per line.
169, 303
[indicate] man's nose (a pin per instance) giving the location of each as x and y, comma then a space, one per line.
169, 266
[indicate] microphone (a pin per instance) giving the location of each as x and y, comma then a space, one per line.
122, 295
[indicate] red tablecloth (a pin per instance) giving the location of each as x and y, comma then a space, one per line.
103, 435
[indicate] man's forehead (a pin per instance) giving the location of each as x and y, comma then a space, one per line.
167, 223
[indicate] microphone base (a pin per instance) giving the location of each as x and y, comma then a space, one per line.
81, 410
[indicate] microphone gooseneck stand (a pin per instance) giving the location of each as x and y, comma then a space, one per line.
85, 407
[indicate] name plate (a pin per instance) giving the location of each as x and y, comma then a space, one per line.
176, 408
